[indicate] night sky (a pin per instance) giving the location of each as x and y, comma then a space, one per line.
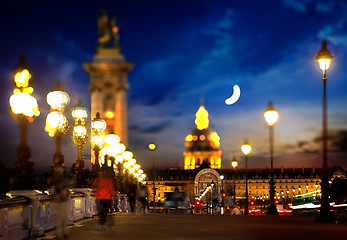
187, 53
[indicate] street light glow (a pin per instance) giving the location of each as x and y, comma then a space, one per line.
98, 124
151, 146
112, 139
79, 113
58, 100
234, 162
271, 115
324, 57
22, 78
246, 148
24, 103
127, 155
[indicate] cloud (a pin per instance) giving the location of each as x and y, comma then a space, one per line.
298, 5
151, 128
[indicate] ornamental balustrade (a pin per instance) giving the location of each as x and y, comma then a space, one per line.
32, 213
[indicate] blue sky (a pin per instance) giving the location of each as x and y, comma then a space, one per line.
185, 51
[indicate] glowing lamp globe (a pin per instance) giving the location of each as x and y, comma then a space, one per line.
119, 147
151, 146
126, 165
137, 167
80, 131
234, 162
127, 155
79, 113
98, 125
132, 161
56, 121
271, 115
58, 100
53, 119
97, 141
246, 148
24, 103
112, 139
324, 57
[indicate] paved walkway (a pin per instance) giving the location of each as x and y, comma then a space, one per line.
187, 227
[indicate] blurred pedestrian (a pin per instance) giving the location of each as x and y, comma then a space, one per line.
61, 186
104, 193
132, 189
143, 198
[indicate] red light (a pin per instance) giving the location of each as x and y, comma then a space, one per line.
197, 203
223, 195
252, 203
115, 29
276, 201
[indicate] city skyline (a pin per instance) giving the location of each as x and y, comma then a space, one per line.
187, 54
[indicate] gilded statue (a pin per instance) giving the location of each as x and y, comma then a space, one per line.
107, 31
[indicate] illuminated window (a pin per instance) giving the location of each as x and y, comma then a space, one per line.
189, 138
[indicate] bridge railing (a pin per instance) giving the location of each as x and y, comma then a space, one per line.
31, 213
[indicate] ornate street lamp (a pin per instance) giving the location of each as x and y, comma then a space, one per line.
97, 140
79, 137
56, 123
24, 108
271, 117
246, 149
79, 134
234, 165
324, 58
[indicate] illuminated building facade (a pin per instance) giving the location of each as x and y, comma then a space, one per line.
201, 177
108, 80
291, 183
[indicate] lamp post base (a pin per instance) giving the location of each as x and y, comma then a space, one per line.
325, 216
24, 175
272, 210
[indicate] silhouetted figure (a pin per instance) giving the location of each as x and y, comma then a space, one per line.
61, 190
143, 198
132, 196
104, 192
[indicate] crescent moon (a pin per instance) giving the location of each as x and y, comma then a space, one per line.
236, 95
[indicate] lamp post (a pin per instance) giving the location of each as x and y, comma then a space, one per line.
324, 58
234, 165
56, 123
223, 194
79, 137
271, 117
152, 147
113, 148
97, 140
24, 108
246, 149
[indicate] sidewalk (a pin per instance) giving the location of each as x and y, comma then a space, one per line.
187, 227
